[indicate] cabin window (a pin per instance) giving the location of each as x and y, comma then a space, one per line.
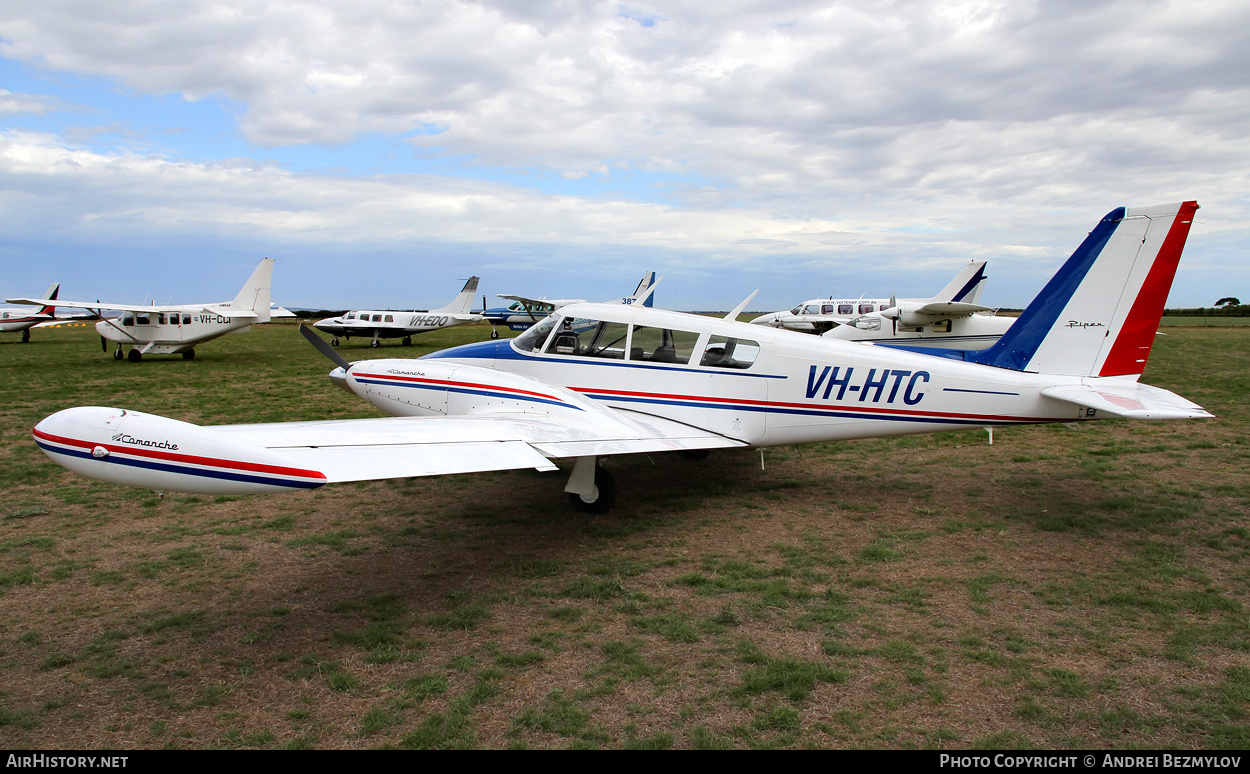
846, 309
883, 307
128, 319
349, 316
826, 308
160, 318
865, 308
389, 318
186, 319
724, 352
144, 319
662, 345
534, 338
590, 338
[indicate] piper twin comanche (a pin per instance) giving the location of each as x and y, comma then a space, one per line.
598, 379
21, 320
820, 315
524, 312
170, 330
390, 324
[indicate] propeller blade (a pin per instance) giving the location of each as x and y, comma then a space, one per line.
323, 347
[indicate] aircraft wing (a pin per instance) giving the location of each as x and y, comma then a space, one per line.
400, 447
93, 305
1130, 400
958, 308
136, 449
556, 302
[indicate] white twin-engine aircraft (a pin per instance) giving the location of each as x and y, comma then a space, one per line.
394, 325
598, 379
169, 330
820, 315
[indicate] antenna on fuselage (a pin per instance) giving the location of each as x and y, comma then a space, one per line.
738, 309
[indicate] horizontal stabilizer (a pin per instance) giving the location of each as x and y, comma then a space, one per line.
1128, 399
956, 308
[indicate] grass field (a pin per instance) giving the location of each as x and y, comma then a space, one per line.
1061, 588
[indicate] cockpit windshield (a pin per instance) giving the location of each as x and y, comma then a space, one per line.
532, 340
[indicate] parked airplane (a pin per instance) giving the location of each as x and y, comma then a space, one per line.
524, 312
645, 380
389, 324
14, 320
823, 314
168, 330
945, 325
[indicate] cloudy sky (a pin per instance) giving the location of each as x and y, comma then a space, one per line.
383, 150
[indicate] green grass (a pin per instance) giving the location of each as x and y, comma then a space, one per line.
1067, 588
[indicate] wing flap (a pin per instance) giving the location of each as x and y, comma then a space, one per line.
363, 463
1130, 400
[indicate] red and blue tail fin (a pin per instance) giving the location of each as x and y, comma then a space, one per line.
1099, 314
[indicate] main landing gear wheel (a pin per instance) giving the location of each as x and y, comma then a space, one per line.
25, 336
606, 485
134, 356
335, 341
494, 333
118, 355
407, 341
375, 343
189, 355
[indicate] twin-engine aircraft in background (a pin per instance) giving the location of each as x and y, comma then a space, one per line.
22, 320
599, 379
390, 324
524, 312
170, 330
941, 324
824, 314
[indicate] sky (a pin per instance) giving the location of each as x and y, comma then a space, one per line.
384, 150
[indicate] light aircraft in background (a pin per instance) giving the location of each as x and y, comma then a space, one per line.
524, 312
824, 314
941, 324
15, 320
169, 330
600, 379
389, 324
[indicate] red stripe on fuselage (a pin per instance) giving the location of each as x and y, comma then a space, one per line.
1132, 346
730, 402
191, 459
467, 385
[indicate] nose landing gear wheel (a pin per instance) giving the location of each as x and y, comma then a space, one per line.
118, 355
375, 343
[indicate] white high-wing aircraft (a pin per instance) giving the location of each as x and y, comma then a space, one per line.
823, 314
169, 330
524, 312
600, 379
394, 325
22, 320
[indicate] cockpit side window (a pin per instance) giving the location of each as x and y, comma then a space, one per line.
724, 352
797, 310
